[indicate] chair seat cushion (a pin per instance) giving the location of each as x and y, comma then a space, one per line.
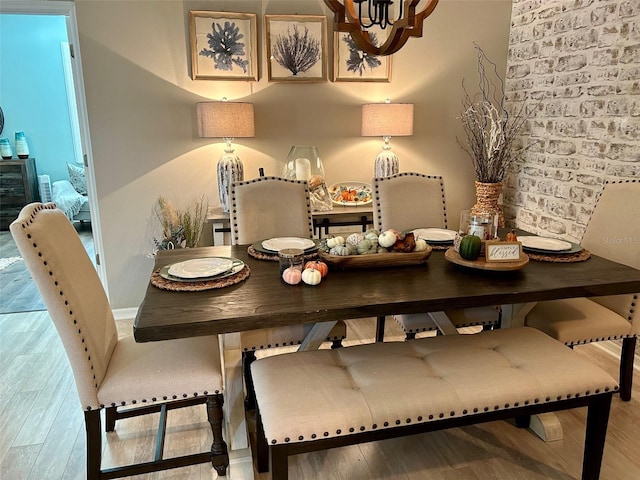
421, 322
285, 336
577, 320
157, 371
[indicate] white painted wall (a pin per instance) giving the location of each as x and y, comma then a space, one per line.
141, 102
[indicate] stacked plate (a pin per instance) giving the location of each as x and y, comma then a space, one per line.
435, 236
202, 269
272, 246
547, 245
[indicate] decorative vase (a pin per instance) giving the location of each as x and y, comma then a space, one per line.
22, 148
487, 196
5, 149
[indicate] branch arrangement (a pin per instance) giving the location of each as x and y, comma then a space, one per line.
180, 228
490, 129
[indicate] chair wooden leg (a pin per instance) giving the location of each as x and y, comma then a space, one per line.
110, 415
410, 335
220, 457
626, 367
380, 321
262, 449
247, 359
279, 462
336, 343
597, 420
94, 443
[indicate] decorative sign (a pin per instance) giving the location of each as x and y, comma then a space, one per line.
503, 251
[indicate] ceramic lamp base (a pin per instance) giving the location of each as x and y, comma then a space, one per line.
387, 164
229, 170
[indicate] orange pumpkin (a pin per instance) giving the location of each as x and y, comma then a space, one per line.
318, 265
511, 236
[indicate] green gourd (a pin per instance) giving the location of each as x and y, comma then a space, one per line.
470, 246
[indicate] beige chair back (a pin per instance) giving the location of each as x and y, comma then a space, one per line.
267, 207
409, 200
613, 232
72, 292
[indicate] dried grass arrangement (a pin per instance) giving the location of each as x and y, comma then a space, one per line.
491, 130
181, 228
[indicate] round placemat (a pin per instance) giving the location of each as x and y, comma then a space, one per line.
435, 246
580, 256
274, 258
164, 284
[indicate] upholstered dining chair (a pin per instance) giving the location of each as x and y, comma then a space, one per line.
612, 232
412, 200
120, 376
268, 207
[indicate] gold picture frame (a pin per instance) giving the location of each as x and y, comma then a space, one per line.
350, 64
308, 33
213, 59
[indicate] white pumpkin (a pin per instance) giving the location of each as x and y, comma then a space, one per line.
421, 245
354, 239
387, 238
335, 241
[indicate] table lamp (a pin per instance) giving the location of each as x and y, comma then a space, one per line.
226, 120
387, 120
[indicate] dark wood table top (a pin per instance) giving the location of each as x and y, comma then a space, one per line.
263, 300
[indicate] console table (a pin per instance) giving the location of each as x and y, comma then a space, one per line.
338, 217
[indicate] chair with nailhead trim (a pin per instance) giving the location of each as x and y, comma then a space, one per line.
268, 207
612, 232
411, 200
112, 373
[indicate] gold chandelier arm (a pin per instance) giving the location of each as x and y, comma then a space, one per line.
347, 20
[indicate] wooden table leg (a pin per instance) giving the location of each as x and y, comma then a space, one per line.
316, 336
235, 425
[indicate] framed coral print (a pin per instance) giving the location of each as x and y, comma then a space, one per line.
223, 46
351, 64
296, 48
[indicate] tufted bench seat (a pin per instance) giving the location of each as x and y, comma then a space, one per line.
321, 399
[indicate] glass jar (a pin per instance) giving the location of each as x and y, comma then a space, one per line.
5, 149
484, 226
302, 163
291, 258
22, 148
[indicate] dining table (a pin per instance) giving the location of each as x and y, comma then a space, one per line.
263, 300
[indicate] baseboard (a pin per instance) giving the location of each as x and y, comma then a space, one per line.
125, 313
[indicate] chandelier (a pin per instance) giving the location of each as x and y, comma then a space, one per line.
358, 20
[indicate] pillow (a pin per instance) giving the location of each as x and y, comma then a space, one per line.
76, 176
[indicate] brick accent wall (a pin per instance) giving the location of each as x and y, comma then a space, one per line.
578, 63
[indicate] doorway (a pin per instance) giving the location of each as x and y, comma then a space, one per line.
69, 96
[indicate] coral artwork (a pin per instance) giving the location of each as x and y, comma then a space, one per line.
359, 61
226, 47
295, 51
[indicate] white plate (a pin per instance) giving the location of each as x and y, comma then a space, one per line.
544, 243
237, 266
361, 193
435, 234
201, 267
279, 243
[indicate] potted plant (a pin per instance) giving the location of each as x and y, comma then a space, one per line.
181, 228
491, 132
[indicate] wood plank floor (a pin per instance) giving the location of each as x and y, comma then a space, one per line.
18, 293
42, 431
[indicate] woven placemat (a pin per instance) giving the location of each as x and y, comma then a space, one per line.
164, 284
274, 258
439, 247
580, 256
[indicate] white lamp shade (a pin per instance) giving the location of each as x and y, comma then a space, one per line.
225, 119
387, 119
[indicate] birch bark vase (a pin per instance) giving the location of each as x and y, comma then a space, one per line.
487, 196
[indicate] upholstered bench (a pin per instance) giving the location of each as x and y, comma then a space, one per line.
321, 399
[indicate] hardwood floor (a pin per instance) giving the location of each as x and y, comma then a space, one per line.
42, 431
17, 291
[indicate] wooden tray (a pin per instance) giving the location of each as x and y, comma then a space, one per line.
482, 264
376, 260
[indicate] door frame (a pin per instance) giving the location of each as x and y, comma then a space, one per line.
68, 10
